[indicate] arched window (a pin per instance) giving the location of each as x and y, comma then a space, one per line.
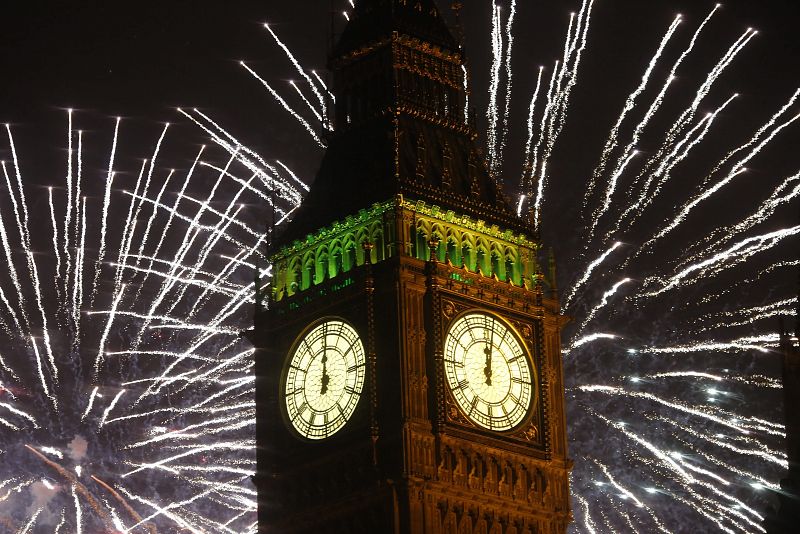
452, 251
322, 267
423, 251
466, 256
336, 264
496, 265
350, 257
308, 272
441, 247
295, 279
480, 260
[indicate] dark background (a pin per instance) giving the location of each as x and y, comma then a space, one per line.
142, 59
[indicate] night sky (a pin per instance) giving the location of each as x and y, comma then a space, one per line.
143, 59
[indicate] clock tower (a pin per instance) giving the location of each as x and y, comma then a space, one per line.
408, 366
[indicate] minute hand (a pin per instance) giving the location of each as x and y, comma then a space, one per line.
488, 352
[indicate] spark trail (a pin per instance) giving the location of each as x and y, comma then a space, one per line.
77, 409
674, 324
675, 341
683, 437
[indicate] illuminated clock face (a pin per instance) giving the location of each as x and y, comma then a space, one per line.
488, 372
324, 379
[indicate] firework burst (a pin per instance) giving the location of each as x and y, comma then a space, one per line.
126, 395
660, 365
125, 390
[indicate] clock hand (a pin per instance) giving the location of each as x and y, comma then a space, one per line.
325, 378
487, 371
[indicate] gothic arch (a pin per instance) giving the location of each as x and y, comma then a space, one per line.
322, 266
309, 270
335, 258
376, 238
294, 276
483, 249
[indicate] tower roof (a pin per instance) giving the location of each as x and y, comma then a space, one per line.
374, 20
401, 124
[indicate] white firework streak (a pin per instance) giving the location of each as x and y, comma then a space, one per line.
246, 185
742, 426
587, 274
293, 175
588, 339
783, 194
688, 114
758, 343
323, 85
110, 407
588, 522
612, 141
752, 380
223, 224
680, 151
736, 253
706, 507
224, 377
750, 315
307, 103
198, 368
183, 250
509, 79
152, 218
602, 304
106, 203
737, 170
299, 69
555, 115
68, 217
92, 396
12, 271
285, 105
27, 528
658, 100
26, 245
527, 169
465, 74
492, 113
249, 158
538, 194
172, 213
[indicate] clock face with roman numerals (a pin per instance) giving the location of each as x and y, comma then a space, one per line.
488, 372
324, 379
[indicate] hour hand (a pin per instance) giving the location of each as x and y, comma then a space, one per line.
325, 378
487, 370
